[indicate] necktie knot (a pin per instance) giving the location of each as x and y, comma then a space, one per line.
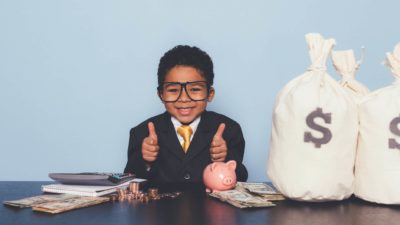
185, 131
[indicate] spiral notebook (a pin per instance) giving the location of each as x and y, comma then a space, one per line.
86, 190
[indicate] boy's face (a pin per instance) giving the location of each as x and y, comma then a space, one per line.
185, 110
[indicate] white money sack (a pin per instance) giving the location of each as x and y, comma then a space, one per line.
314, 133
377, 169
345, 65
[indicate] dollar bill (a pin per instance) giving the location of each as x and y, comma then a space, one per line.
247, 194
241, 198
273, 197
261, 189
69, 204
36, 200
258, 188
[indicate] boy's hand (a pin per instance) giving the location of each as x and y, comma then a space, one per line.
150, 144
218, 148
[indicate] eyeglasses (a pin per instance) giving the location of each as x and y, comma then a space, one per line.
172, 91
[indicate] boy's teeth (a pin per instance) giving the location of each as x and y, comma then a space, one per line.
184, 110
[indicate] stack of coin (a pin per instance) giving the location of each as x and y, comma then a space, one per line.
134, 187
122, 194
114, 197
153, 194
144, 199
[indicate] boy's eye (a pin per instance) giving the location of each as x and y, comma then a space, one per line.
195, 89
173, 90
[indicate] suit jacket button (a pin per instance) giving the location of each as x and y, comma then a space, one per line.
187, 176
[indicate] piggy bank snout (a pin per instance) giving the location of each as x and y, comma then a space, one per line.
227, 181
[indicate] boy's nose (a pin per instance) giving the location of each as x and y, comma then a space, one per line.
184, 97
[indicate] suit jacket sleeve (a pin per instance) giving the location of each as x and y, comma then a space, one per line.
235, 143
136, 164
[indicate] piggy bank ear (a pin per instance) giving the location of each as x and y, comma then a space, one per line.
231, 164
213, 165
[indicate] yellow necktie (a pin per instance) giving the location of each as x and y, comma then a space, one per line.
185, 131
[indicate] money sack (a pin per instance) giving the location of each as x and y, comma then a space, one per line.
314, 133
345, 65
377, 168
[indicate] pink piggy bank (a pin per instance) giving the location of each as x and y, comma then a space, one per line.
220, 176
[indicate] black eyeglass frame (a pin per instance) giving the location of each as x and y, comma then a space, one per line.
183, 86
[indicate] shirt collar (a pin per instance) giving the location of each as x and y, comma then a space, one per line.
193, 124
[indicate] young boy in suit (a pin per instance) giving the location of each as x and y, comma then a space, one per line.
176, 146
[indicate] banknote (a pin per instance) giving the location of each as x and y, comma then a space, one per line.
258, 188
274, 197
69, 204
36, 200
261, 189
247, 194
241, 198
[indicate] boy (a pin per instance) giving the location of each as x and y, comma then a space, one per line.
176, 146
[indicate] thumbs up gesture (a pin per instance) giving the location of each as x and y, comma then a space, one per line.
218, 149
150, 146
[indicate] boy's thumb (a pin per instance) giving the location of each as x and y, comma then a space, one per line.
152, 131
220, 131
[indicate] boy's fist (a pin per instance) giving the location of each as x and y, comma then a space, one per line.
150, 144
218, 148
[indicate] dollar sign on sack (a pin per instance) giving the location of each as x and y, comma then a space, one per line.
394, 128
326, 133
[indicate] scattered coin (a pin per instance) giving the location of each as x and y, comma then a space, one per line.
133, 194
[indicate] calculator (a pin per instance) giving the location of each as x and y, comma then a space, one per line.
92, 178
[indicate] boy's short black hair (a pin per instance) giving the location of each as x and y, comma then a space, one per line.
184, 55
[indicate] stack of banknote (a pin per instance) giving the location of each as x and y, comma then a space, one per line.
264, 190
56, 203
247, 195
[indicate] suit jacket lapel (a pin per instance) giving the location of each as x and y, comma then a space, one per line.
201, 140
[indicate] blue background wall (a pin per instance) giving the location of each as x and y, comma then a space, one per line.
76, 75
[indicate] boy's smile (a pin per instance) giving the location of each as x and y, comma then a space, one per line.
184, 109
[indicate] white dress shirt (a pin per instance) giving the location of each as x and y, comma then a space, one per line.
193, 125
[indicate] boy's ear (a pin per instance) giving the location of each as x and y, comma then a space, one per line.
211, 94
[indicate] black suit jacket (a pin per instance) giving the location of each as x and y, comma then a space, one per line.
172, 164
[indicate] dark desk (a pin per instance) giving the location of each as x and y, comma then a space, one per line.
194, 208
